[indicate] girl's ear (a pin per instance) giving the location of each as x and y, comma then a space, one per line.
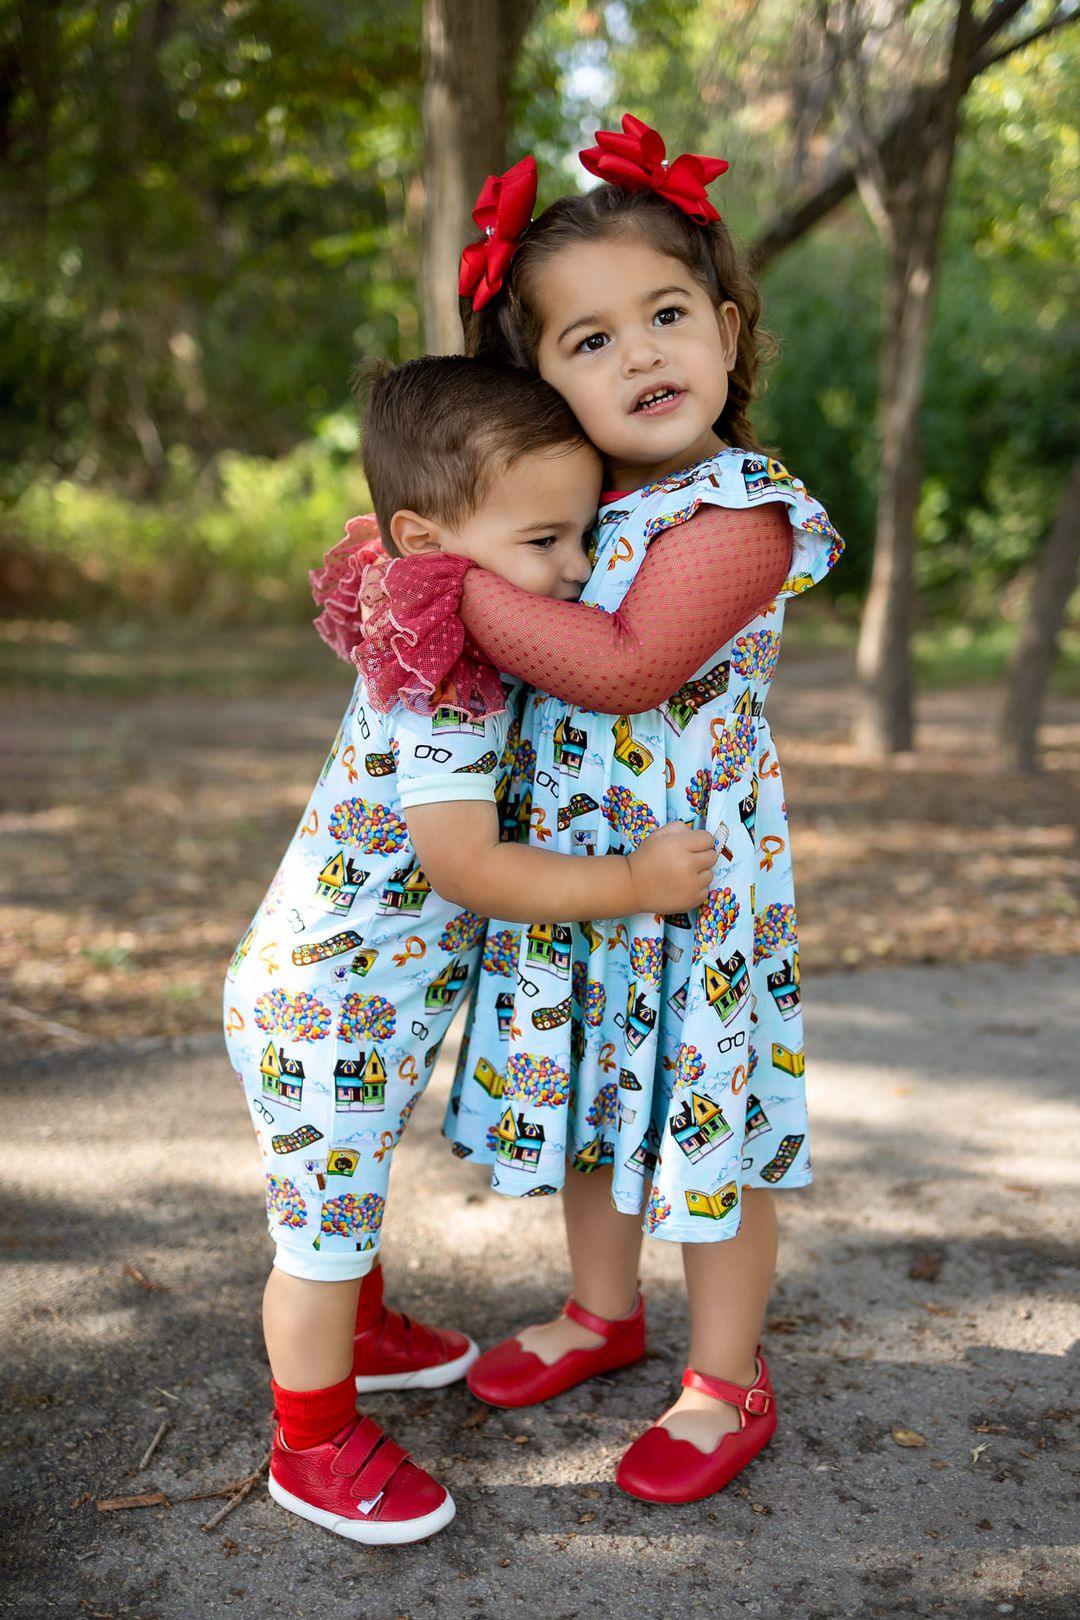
727, 319
413, 534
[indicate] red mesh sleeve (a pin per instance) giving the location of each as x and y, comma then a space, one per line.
700, 582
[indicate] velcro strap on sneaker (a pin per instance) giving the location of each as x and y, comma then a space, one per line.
598, 1324
374, 1477
357, 1448
755, 1401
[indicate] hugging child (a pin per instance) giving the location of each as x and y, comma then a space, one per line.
654, 1066
341, 990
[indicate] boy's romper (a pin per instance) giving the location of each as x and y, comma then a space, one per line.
340, 992
673, 1052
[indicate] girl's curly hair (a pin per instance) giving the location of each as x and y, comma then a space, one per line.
507, 330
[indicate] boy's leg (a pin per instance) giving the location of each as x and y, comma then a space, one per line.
309, 1328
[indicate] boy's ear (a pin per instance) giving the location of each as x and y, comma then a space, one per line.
413, 534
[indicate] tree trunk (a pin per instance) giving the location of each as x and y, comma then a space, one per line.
1036, 646
470, 52
914, 200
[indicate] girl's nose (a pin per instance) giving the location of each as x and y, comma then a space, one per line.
642, 353
578, 569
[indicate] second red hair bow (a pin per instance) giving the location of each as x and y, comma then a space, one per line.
637, 160
503, 209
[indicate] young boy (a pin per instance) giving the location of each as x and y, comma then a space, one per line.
341, 991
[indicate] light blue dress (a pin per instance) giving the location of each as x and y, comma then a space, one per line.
674, 1052
340, 992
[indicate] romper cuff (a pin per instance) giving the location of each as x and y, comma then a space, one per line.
445, 787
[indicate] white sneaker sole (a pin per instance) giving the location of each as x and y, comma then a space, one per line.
447, 1372
373, 1533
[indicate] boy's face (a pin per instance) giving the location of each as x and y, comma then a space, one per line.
531, 526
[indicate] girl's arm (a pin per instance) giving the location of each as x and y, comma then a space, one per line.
700, 582
457, 845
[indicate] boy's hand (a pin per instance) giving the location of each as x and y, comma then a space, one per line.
672, 870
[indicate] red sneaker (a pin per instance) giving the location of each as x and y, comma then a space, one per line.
361, 1485
659, 1469
510, 1375
392, 1351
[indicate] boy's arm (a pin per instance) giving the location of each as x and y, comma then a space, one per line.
457, 845
700, 582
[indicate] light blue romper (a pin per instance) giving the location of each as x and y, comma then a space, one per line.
673, 1053
341, 990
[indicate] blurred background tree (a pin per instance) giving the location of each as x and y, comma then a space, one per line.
210, 212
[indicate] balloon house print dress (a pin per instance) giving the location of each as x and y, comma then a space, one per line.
670, 1049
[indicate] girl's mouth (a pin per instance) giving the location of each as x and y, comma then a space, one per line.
659, 402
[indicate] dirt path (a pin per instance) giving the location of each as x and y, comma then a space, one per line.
140, 832
925, 1286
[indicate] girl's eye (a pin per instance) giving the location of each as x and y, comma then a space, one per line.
545, 542
588, 342
669, 309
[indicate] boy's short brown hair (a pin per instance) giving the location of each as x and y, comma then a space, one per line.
436, 431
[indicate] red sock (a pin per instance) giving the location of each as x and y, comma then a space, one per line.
310, 1416
369, 1305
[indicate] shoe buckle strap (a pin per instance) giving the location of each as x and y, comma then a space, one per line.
599, 1324
756, 1401
352, 1456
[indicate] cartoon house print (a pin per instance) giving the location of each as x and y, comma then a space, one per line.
644, 1157
681, 708
747, 704
339, 882
360, 1084
748, 808
757, 1120
548, 948
504, 1012
492, 1079
569, 746
405, 893
699, 1126
588, 1157
677, 1002
640, 1018
628, 751
282, 1077
784, 987
519, 1142
727, 985
447, 719
446, 986
762, 473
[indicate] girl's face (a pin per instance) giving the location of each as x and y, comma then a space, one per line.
623, 323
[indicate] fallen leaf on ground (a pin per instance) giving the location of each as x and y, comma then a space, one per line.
977, 1451
908, 1437
474, 1420
926, 1267
144, 1281
938, 1462
936, 1310
586, 1518
591, 1492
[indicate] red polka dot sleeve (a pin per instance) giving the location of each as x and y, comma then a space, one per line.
700, 582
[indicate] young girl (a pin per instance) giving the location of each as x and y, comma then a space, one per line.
340, 992
662, 1059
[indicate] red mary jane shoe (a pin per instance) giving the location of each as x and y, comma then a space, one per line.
660, 1469
509, 1375
392, 1351
361, 1485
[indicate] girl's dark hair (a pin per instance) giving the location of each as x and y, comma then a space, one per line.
508, 329
436, 431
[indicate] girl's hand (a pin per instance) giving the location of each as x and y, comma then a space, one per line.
672, 870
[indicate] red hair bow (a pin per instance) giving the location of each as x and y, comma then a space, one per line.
503, 209
637, 160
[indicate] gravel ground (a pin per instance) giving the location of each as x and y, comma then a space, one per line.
924, 1286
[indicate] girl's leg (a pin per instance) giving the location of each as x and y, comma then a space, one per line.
605, 1249
729, 1285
